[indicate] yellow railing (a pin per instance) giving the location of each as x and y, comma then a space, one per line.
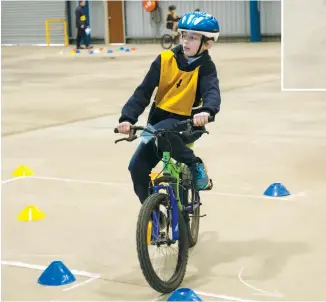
48, 28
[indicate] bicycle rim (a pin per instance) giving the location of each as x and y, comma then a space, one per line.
167, 41
153, 278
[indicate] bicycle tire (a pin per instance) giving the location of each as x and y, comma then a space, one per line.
169, 40
193, 223
164, 287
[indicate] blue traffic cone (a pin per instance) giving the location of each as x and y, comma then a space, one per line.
127, 50
77, 51
91, 52
184, 294
121, 48
56, 274
276, 190
110, 51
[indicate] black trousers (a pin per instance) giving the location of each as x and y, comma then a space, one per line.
81, 35
147, 156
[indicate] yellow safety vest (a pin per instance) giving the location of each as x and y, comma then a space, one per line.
173, 15
177, 89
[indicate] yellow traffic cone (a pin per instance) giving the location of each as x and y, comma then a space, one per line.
31, 213
23, 171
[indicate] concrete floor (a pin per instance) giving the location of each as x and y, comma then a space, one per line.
58, 115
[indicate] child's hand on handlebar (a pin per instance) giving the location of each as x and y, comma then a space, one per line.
124, 127
201, 119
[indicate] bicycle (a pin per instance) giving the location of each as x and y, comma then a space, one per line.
181, 201
167, 40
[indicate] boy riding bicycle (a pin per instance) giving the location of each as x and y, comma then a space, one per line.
172, 20
188, 86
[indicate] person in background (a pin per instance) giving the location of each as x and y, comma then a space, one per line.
81, 24
172, 19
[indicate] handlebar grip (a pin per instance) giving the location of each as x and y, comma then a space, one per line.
116, 130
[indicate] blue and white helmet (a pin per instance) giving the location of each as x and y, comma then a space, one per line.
200, 22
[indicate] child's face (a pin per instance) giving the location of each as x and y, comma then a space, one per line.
191, 42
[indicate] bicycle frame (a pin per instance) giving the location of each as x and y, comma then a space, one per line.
170, 171
170, 182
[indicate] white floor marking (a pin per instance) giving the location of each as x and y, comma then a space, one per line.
300, 194
224, 297
42, 268
291, 197
79, 284
275, 293
12, 179
246, 196
78, 180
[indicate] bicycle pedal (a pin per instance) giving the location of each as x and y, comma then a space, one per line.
200, 216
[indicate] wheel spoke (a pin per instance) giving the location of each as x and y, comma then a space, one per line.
166, 272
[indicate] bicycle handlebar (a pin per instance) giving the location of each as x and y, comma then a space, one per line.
136, 128
189, 122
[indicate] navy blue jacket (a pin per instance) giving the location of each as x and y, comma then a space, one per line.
207, 89
79, 12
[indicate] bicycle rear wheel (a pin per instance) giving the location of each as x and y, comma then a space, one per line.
152, 203
190, 197
167, 41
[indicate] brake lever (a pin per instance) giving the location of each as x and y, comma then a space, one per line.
188, 130
120, 140
132, 136
128, 139
199, 131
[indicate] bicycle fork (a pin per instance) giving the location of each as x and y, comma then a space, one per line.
175, 213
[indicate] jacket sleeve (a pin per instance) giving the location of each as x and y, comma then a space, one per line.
87, 22
209, 89
77, 15
137, 103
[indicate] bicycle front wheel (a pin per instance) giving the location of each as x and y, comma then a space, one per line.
160, 202
167, 41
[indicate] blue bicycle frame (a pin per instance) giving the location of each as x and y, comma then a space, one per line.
171, 172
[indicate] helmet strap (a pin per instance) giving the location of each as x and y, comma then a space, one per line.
203, 39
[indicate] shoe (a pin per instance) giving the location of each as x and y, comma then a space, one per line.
200, 176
